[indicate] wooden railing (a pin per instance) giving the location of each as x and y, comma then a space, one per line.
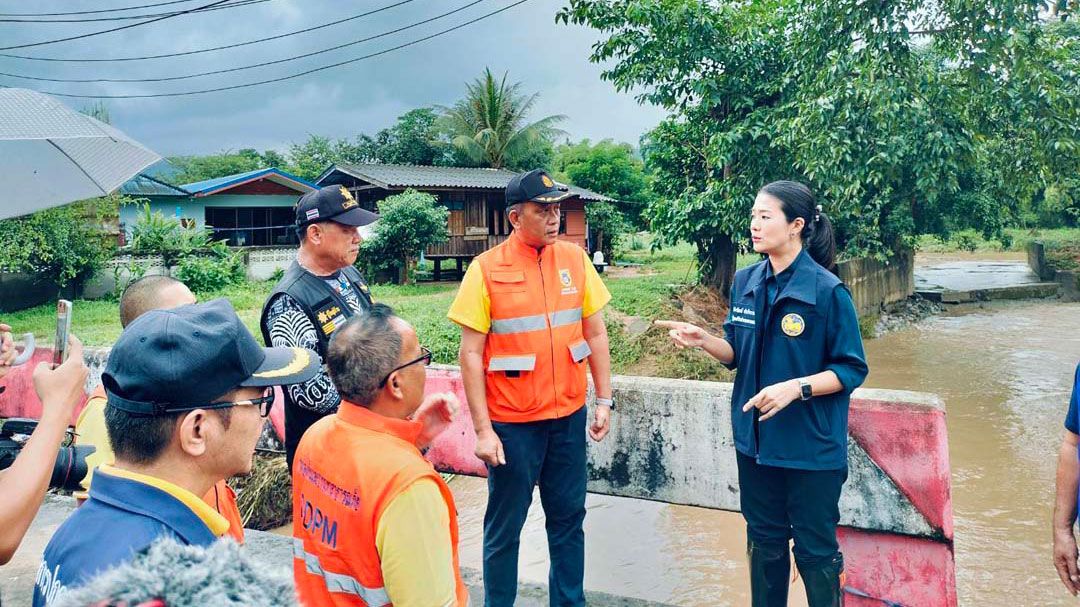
463, 246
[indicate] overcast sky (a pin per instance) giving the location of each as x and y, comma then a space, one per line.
340, 102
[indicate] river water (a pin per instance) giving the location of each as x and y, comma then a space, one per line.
1004, 372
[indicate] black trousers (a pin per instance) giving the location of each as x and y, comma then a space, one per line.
780, 504
551, 454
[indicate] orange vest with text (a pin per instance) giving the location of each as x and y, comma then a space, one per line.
348, 468
535, 354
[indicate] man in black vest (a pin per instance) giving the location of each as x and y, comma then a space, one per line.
319, 292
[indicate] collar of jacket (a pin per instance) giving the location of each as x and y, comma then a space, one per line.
114, 487
404, 429
801, 286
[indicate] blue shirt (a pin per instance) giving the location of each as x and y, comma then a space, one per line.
811, 326
1072, 424
121, 519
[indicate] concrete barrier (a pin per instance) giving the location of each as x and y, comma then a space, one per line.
671, 442
875, 284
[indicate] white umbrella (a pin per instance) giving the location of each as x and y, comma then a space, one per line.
51, 155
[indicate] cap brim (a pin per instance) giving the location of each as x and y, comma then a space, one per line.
552, 197
356, 217
284, 366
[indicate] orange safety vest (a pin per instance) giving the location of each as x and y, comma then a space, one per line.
535, 352
223, 499
348, 468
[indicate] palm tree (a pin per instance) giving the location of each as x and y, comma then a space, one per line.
489, 125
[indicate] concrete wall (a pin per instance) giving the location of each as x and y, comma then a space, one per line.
875, 284
21, 291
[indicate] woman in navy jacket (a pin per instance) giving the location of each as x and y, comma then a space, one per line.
793, 337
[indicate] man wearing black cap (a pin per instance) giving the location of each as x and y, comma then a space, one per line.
319, 292
188, 389
531, 330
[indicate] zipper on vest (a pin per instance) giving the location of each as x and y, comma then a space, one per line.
551, 332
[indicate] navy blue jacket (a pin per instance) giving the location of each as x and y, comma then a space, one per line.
811, 327
121, 518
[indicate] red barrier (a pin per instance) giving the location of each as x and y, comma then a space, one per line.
19, 398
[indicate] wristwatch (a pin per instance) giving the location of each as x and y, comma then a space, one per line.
806, 391
606, 402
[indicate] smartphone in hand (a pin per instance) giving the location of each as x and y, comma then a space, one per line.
63, 329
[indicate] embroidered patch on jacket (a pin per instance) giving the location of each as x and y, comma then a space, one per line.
567, 282
329, 319
793, 325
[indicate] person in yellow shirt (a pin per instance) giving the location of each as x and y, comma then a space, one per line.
141, 296
373, 523
532, 329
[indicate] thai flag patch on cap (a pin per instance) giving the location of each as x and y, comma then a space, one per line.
312, 214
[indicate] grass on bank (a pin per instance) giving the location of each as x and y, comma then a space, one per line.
654, 286
1017, 240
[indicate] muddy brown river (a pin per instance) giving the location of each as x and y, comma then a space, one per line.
1004, 372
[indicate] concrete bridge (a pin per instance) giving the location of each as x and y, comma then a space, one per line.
671, 442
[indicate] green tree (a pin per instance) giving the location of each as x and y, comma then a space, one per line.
65, 244
490, 126
97, 110
607, 168
414, 139
864, 101
308, 160
408, 223
608, 226
200, 168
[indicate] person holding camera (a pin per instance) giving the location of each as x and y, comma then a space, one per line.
24, 483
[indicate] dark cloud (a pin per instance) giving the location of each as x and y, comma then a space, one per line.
362, 97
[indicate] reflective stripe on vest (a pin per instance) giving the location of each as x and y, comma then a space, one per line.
580, 350
339, 582
512, 363
521, 324
565, 317
524, 324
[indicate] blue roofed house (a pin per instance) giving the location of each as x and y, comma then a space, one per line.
252, 209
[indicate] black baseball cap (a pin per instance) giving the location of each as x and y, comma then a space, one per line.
184, 358
333, 202
535, 186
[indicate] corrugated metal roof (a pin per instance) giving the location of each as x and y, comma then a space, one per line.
145, 185
416, 176
210, 186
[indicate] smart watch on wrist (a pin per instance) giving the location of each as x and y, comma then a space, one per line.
806, 391
607, 402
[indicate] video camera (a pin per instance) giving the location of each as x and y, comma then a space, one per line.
70, 467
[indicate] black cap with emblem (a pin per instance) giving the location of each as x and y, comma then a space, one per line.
535, 186
335, 203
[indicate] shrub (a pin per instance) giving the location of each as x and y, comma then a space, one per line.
65, 244
156, 234
408, 223
219, 267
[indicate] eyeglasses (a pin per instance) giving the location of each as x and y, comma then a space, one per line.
425, 356
264, 403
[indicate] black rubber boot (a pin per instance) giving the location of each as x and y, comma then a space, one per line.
770, 568
823, 583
